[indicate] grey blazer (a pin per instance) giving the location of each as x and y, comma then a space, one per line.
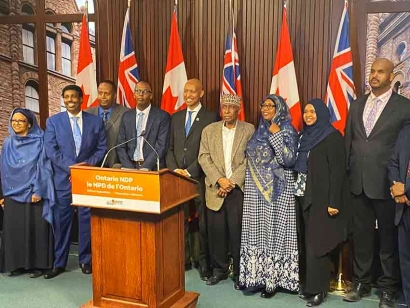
211, 158
367, 157
112, 129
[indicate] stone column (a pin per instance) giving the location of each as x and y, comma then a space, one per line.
373, 23
15, 31
59, 58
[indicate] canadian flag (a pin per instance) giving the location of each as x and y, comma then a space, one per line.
85, 70
284, 77
175, 73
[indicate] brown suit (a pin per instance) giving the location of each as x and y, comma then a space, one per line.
224, 214
211, 159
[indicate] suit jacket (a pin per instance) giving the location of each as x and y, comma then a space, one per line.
60, 148
368, 156
156, 133
183, 150
113, 128
397, 167
211, 159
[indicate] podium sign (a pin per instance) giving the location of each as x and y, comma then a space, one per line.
116, 189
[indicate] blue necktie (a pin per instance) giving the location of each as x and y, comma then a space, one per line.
139, 131
76, 135
105, 118
188, 123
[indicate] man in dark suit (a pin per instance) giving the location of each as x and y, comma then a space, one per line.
399, 177
372, 128
72, 137
111, 113
149, 121
182, 157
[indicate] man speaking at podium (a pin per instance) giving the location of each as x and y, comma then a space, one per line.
145, 127
72, 137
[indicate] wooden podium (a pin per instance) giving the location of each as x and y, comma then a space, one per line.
137, 235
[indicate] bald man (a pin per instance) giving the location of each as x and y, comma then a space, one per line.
373, 125
182, 157
137, 154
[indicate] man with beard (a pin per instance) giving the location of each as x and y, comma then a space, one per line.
373, 125
111, 113
149, 121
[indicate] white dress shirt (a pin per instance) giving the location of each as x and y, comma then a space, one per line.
194, 114
371, 100
228, 136
144, 125
79, 121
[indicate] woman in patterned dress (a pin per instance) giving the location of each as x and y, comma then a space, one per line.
269, 247
321, 188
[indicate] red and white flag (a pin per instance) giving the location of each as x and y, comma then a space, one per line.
85, 70
284, 77
175, 73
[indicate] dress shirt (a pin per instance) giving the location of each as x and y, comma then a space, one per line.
144, 125
228, 136
194, 114
101, 112
79, 121
384, 98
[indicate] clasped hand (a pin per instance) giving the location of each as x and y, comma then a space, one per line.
225, 187
397, 192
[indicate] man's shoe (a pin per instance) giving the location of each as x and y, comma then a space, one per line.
267, 294
17, 272
214, 279
204, 273
188, 267
305, 296
317, 299
53, 273
236, 285
36, 273
387, 300
86, 268
359, 290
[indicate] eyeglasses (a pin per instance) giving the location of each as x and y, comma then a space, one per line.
18, 121
143, 92
268, 107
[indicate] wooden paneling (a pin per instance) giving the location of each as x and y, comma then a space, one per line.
203, 24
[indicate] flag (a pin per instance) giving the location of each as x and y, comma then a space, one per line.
175, 73
128, 74
85, 69
340, 88
284, 76
231, 76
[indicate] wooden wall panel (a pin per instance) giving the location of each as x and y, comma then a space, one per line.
203, 24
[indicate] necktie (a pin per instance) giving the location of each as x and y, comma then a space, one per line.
188, 123
408, 171
371, 118
139, 131
76, 135
105, 118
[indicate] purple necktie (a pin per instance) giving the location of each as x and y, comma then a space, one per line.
371, 118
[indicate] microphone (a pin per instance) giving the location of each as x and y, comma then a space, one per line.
156, 153
118, 145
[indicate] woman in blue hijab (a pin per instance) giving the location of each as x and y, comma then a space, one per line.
28, 201
269, 249
321, 188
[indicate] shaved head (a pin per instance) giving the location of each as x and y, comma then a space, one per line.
196, 82
193, 92
388, 64
381, 76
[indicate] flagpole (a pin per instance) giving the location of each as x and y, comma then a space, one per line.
285, 2
129, 3
86, 11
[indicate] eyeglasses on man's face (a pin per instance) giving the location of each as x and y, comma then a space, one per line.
143, 92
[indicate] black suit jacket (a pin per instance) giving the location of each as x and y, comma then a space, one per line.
187, 146
156, 133
368, 156
397, 167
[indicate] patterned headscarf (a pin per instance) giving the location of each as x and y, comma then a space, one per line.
264, 168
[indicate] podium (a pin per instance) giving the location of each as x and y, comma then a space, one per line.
137, 235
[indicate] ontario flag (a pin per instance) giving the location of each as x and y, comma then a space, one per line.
231, 76
128, 74
175, 73
340, 89
85, 69
284, 77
